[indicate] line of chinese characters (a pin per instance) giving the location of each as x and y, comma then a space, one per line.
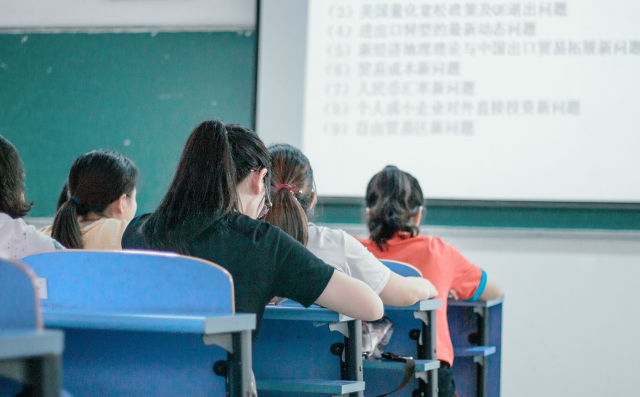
422, 9
509, 107
410, 30
500, 48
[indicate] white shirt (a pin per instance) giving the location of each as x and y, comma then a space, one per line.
17, 239
342, 251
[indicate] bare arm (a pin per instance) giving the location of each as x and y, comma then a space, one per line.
352, 297
491, 290
405, 291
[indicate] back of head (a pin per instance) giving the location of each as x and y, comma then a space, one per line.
96, 179
202, 192
247, 150
12, 176
393, 199
292, 190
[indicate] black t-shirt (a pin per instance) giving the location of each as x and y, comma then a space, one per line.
263, 260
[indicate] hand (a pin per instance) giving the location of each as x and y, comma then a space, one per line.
453, 295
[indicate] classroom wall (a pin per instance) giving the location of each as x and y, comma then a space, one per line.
569, 319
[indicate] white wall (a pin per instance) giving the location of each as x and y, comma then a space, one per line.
570, 320
130, 14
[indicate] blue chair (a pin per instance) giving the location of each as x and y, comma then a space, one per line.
29, 356
402, 268
414, 335
142, 323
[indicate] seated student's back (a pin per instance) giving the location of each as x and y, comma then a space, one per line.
394, 209
97, 202
17, 239
211, 211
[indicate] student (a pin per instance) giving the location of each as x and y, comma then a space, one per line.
211, 211
17, 239
99, 203
394, 210
294, 197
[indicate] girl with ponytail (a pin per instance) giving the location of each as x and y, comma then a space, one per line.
97, 201
212, 211
394, 210
293, 194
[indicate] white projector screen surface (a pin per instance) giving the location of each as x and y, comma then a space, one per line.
480, 100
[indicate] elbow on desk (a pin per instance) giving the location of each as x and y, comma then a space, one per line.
376, 311
491, 291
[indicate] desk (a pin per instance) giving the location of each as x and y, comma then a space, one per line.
134, 354
476, 334
33, 357
296, 352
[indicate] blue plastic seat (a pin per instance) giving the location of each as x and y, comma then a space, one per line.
144, 323
402, 268
30, 355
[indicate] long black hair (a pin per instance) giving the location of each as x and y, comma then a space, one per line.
393, 198
203, 191
96, 179
12, 176
249, 154
292, 189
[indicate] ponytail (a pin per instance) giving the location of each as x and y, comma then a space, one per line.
66, 228
393, 198
202, 192
292, 189
287, 213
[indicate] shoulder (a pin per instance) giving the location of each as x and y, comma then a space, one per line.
244, 224
438, 246
253, 232
112, 225
133, 236
11, 225
321, 235
23, 238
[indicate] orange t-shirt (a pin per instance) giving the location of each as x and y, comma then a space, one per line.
441, 264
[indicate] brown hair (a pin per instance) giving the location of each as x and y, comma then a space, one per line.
393, 198
12, 176
292, 190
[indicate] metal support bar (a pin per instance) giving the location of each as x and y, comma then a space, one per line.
44, 375
353, 353
483, 368
240, 380
222, 340
427, 382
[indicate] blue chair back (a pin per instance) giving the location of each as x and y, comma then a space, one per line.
401, 268
132, 281
19, 307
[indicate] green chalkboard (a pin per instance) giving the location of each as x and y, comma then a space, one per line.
511, 215
141, 94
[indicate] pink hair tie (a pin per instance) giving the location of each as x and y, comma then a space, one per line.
291, 188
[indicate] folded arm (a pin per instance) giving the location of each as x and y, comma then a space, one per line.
351, 297
405, 291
